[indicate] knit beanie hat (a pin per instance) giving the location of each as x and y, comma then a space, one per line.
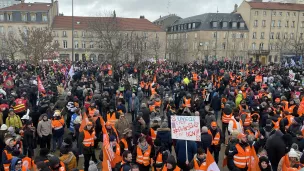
92, 166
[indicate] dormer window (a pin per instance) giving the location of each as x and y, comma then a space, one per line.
189, 26
234, 24
193, 25
242, 25
225, 24
214, 24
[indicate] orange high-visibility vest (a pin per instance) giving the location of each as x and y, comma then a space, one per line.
9, 156
255, 114
110, 72
88, 139
166, 169
226, 118
142, 84
216, 139
290, 109
242, 158
289, 118
57, 124
153, 134
125, 143
202, 167
117, 150
143, 159
159, 160
285, 107
27, 163
152, 108
153, 91
247, 121
111, 117
187, 102
276, 124
258, 78
91, 111
256, 134
235, 125
194, 77
157, 103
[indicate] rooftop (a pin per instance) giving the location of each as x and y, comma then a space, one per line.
167, 16
204, 21
276, 6
126, 24
28, 7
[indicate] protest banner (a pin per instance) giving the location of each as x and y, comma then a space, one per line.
186, 128
291, 75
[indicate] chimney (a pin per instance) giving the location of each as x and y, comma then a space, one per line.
235, 7
142, 17
114, 14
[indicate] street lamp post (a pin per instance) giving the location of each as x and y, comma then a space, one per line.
73, 32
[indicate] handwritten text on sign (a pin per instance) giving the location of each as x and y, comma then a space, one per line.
186, 128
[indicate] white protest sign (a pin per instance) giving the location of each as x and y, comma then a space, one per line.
291, 75
186, 128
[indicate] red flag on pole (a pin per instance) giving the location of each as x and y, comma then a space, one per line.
40, 85
9, 83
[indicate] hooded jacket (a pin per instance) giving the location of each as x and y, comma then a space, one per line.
164, 135
44, 128
13, 164
275, 147
69, 160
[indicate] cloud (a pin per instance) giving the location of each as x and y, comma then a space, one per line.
151, 9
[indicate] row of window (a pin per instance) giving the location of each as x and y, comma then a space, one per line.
76, 44
277, 35
216, 24
89, 34
214, 35
278, 13
273, 23
188, 26
24, 17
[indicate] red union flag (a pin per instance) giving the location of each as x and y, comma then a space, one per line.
8, 83
40, 86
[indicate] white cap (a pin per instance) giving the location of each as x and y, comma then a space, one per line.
293, 153
3, 127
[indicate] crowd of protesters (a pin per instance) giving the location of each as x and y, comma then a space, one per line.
79, 108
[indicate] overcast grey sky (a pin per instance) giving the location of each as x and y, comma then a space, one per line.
151, 9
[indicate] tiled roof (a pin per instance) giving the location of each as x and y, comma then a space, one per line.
167, 16
276, 6
125, 24
204, 21
28, 7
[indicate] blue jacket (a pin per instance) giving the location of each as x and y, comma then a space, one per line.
180, 150
14, 162
72, 122
136, 104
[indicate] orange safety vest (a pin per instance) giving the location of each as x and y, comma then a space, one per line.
88, 140
159, 160
143, 159
157, 103
258, 78
255, 114
153, 91
276, 124
289, 118
204, 93
256, 134
153, 134
285, 107
20, 105
216, 139
111, 117
224, 100
187, 102
194, 77
62, 168
202, 167
110, 72
176, 168
242, 158
9, 156
125, 143
235, 125
226, 118
142, 84
27, 163
247, 121
91, 111
290, 109
147, 86
117, 152
152, 108
57, 124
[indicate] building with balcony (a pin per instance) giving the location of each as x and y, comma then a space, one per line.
208, 36
276, 29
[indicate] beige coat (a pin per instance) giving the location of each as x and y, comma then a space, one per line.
121, 125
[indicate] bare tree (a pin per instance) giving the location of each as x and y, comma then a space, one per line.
297, 45
177, 47
283, 45
233, 48
106, 30
155, 45
38, 44
9, 45
137, 45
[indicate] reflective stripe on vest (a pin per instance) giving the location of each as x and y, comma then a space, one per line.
143, 159
111, 117
241, 159
88, 139
153, 134
8, 157
216, 139
187, 102
125, 143
226, 118
202, 167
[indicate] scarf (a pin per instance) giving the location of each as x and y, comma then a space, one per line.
143, 148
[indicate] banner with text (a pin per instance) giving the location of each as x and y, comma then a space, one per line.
186, 128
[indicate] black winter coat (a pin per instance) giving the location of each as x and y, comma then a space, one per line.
206, 140
275, 147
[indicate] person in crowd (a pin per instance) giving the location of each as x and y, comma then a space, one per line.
143, 154
29, 139
68, 158
184, 158
199, 160
171, 165
133, 106
138, 126
164, 135
122, 124
215, 104
86, 138
126, 162
206, 139
217, 140
7, 154
126, 141
44, 131
58, 130
13, 120
55, 164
